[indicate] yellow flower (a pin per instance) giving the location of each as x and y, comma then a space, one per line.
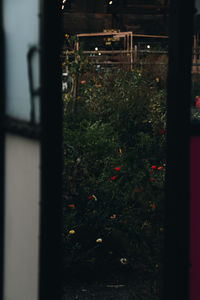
120, 151
94, 197
146, 224
67, 36
72, 231
139, 74
99, 240
67, 97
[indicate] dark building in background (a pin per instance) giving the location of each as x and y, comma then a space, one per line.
138, 16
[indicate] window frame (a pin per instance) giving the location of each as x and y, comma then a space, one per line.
176, 273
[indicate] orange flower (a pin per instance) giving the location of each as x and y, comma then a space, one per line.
117, 168
113, 216
71, 205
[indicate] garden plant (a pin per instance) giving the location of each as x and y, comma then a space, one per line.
114, 132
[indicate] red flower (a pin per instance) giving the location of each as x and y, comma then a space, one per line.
71, 205
90, 197
153, 167
117, 168
83, 82
152, 179
99, 85
163, 131
113, 178
160, 168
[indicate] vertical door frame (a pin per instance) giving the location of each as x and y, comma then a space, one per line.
51, 152
2, 143
177, 205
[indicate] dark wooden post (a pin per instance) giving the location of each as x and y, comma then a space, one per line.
176, 276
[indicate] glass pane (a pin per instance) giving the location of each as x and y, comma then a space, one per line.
21, 30
114, 129
195, 97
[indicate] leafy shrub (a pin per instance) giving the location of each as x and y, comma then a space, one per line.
114, 158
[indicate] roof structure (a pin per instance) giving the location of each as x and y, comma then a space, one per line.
139, 16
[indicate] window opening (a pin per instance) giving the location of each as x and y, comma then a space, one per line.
114, 132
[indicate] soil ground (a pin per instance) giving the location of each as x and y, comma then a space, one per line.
112, 290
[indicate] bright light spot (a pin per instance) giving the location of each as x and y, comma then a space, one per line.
64, 1
96, 48
63, 6
110, 2
148, 46
99, 53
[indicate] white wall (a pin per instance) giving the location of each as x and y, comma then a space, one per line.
22, 194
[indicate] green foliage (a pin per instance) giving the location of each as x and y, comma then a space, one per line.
114, 157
